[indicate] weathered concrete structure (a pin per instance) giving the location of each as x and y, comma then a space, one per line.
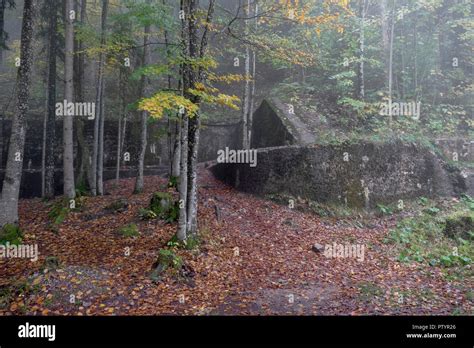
359, 174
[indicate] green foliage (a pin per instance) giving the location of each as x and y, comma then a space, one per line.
10, 233
384, 209
58, 213
192, 242
128, 231
422, 239
166, 259
163, 205
173, 182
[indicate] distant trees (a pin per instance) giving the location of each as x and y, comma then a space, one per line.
11, 182
4, 4
49, 131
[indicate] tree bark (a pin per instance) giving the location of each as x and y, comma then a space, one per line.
96, 186
362, 50
183, 180
254, 72
176, 151
50, 115
68, 153
83, 153
11, 183
246, 101
139, 182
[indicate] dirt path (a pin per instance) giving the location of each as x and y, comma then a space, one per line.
256, 260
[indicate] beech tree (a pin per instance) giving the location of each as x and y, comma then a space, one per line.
145, 86
68, 151
97, 187
11, 182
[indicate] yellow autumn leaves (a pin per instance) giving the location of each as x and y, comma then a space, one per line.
164, 101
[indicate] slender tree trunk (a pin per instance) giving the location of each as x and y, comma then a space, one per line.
195, 51
68, 154
11, 183
385, 39
181, 233
101, 154
183, 180
98, 125
362, 50
254, 72
246, 101
390, 65
3, 4
144, 115
50, 115
83, 153
119, 126
176, 151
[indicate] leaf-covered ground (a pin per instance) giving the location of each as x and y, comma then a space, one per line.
256, 260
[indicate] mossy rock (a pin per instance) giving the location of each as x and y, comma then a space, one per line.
461, 226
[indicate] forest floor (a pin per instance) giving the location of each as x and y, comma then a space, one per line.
257, 259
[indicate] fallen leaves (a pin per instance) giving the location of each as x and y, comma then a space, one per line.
274, 260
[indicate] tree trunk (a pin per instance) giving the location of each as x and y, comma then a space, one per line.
252, 93
144, 115
83, 153
50, 115
101, 154
385, 39
11, 183
176, 151
98, 125
246, 99
195, 51
390, 65
68, 153
183, 180
193, 141
362, 50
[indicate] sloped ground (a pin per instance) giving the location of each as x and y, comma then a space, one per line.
256, 260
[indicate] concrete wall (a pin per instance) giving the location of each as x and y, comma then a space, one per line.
389, 171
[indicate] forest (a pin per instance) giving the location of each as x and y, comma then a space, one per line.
236, 157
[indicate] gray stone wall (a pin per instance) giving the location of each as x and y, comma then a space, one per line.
360, 175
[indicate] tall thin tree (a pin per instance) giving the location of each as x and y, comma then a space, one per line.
145, 86
49, 131
68, 151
